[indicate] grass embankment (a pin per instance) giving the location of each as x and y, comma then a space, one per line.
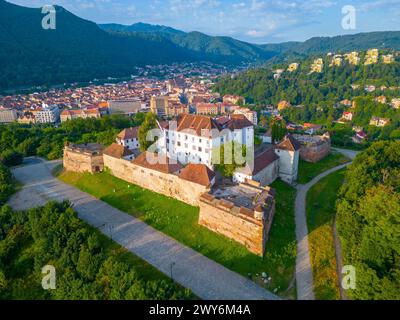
180, 221
321, 203
308, 171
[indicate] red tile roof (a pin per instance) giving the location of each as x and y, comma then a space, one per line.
261, 161
196, 123
198, 173
130, 133
290, 144
117, 151
164, 164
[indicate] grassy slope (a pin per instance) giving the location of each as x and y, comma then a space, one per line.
179, 221
308, 171
321, 201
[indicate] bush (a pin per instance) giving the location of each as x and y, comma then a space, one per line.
11, 158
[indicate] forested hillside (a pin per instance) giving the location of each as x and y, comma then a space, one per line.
368, 220
316, 97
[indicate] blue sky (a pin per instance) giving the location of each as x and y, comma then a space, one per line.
257, 21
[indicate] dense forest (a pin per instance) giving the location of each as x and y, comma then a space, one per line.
17, 141
80, 51
7, 186
368, 220
316, 97
53, 235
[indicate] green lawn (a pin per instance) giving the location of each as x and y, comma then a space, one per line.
308, 171
321, 200
180, 221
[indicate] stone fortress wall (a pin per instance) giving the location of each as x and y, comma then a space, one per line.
83, 158
314, 148
248, 221
246, 225
169, 185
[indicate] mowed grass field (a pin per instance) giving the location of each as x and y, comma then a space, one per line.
321, 208
180, 221
308, 171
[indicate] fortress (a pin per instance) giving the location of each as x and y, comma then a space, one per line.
314, 148
242, 212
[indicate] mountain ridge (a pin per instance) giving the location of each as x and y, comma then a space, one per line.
81, 50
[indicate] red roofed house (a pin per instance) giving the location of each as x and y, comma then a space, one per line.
129, 138
193, 137
265, 169
289, 153
198, 173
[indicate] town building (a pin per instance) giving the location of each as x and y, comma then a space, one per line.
129, 138
128, 107
284, 105
395, 103
8, 115
249, 114
47, 115
293, 67
353, 58
317, 66
232, 99
159, 105
372, 57
388, 59
210, 109
381, 99
336, 61
347, 116
379, 122
192, 138
80, 114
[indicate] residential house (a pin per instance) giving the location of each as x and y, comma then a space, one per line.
129, 138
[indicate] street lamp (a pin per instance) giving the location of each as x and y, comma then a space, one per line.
172, 265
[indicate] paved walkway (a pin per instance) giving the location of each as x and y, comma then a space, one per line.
304, 275
206, 278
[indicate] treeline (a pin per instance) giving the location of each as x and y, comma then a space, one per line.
368, 217
53, 235
18, 141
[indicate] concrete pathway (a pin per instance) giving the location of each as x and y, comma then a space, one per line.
206, 278
304, 275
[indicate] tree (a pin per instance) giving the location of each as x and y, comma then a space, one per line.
368, 217
11, 158
150, 122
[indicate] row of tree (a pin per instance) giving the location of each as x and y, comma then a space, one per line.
18, 141
368, 217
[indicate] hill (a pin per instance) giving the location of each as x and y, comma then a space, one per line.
139, 27
78, 50
215, 49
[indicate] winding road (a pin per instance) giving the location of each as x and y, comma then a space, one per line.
206, 278
304, 275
